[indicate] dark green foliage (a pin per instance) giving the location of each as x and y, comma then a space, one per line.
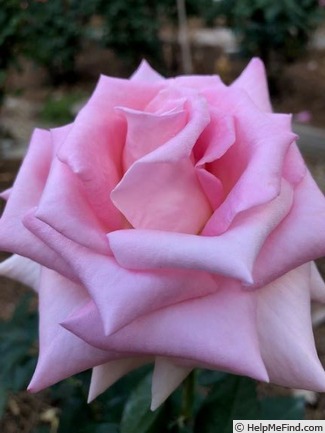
131, 29
10, 37
52, 32
273, 27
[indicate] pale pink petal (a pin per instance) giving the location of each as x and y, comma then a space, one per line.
6, 194
146, 74
317, 285
147, 131
294, 168
167, 376
112, 287
232, 254
254, 81
62, 354
218, 331
285, 332
251, 169
64, 193
93, 149
161, 190
28, 187
298, 239
21, 269
104, 375
199, 82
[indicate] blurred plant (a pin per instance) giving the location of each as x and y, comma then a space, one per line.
10, 37
131, 29
61, 109
52, 32
216, 400
273, 28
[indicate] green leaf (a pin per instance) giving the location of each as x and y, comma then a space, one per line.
101, 428
283, 408
232, 398
137, 417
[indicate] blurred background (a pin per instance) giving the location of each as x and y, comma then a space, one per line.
51, 54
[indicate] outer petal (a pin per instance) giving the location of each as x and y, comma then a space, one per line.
62, 354
146, 74
252, 168
203, 330
298, 239
285, 330
112, 287
64, 194
14, 237
317, 285
6, 194
93, 149
21, 269
254, 81
167, 376
232, 254
103, 376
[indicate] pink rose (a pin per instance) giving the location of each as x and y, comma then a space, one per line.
173, 222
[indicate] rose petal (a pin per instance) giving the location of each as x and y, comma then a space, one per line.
25, 195
161, 190
167, 376
146, 74
93, 149
317, 285
251, 169
210, 336
254, 81
21, 269
147, 131
62, 354
232, 254
103, 376
285, 330
112, 287
298, 239
64, 193
6, 194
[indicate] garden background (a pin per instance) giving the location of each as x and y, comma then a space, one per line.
51, 54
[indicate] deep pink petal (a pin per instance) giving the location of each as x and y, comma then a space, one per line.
62, 354
147, 131
217, 331
285, 330
161, 190
254, 81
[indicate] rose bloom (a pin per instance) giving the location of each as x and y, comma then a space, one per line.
175, 222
